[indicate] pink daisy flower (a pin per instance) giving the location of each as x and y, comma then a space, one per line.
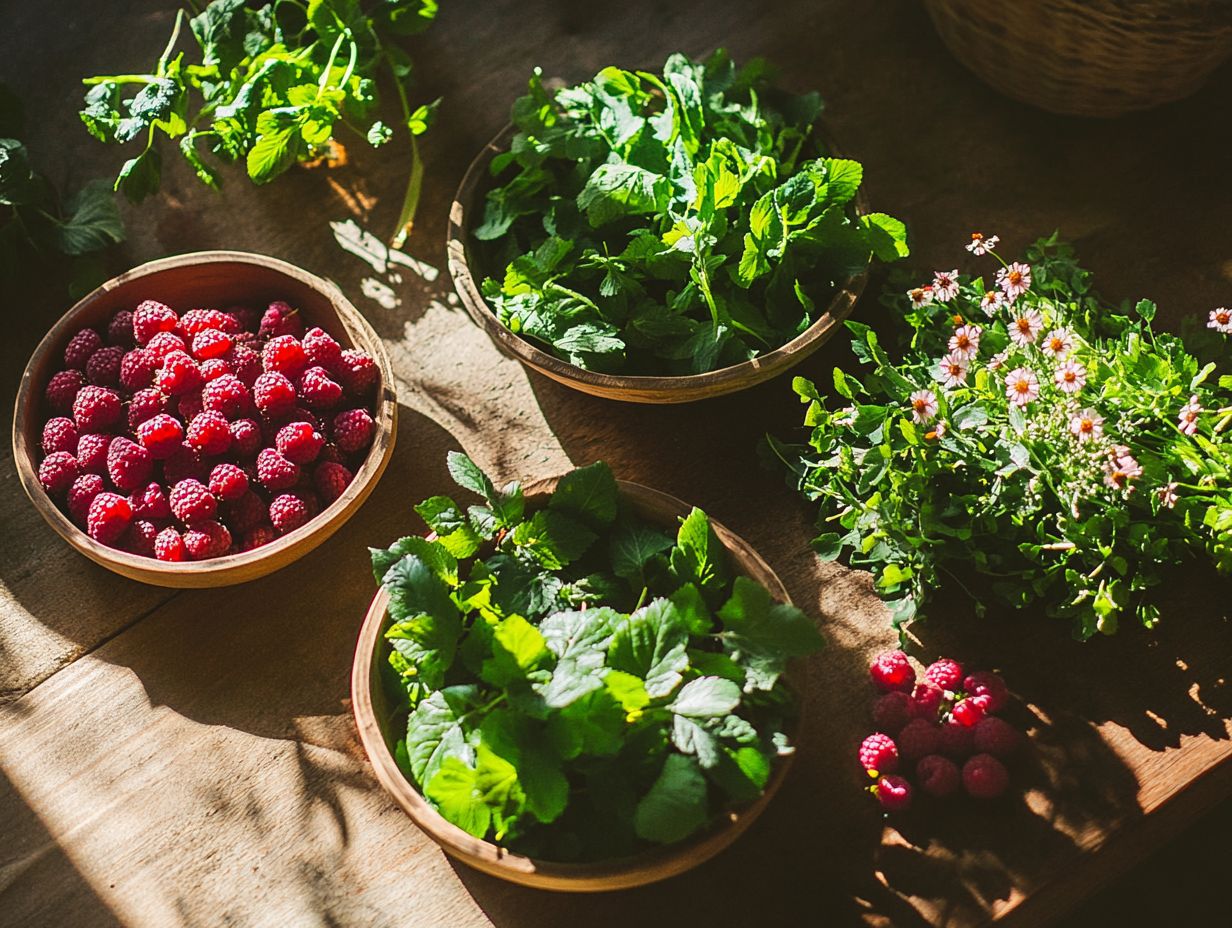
1167, 496
993, 300
921, 296
923, 406
997, 361
981, 244
945, 285
1120, 468
1015, 279
965, 341
1022, 386
1071, 377
1087, 424
1221, 320
1188, 416
1057, 343
952, 370
1026, 327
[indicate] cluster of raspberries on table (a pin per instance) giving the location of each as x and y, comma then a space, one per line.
194, 436
942, 726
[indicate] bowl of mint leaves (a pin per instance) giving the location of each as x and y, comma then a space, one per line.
664, 237
583, 686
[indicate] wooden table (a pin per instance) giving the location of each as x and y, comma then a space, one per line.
189, 758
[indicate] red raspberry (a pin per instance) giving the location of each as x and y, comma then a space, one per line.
332, 479
62, 389
285, 355
198, 320
140, 537
57, 472
206, 539
163, 344
161, 435
81, 347
996, 737
926, 700
274, 472
970, 710
97, 409
890, 710
273, 392
246, 318
245, 364
120, 329
894, 793
189, 406
150, 503
103, 368
92, 452
988, 684
228, 482
108, 517
137, 369
246, 512
311, 500
321, 348
878, 752
957, 740
299, 442
918, 738
178, 375
143, 405
357, 373
938, 776
169, 546
227, 395
209, 433
288, 512
214, 368
985, 777
330, 454
944, 673
191, 501
150, 318
318, 390
81, 494
183, 464
890, 671
59, 434
128, 464
280, 319
245, 438
353, 431
257, 536
210, 343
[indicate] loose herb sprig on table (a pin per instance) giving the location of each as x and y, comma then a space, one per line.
271, 87
578, 684
1065, 451
672, 223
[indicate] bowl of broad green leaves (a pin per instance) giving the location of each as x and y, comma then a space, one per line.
583, 686
664, 237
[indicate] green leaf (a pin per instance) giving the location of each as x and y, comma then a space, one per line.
651, 645
456, 794
616, 190
676, 805
422, 117
761, 635
467, 474
698, 557
426, 622
588, 493
140, 176
278, 146
93, 222
693, 610
627, 689
435, 555
887, 236
434, 731
554, 538
518, 648
524, 744
633, 544
706, 697
452, 526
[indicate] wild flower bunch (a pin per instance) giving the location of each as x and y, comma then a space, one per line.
1063, 450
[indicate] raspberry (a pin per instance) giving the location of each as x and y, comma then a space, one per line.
274, 472
189, 406
161, 435
120, 329
228, 482
925, 701
108, 517
183, 464
62, 389
890, 671
140, 537
956, 740
285, 355
214, 368
191, 501
163, 344
245, 438
210, 343
918, 738
288, 512
81, 347
357, 373
318, 390
944, 673
59, 434
245, 364
246, 512
92, 452
984, 777
321, 349
938, 776
353, 431
331, 479
169, 546
227, 395
246, 318
150, 318
198, 320
299, 442
996, 737
137, 369
209, 433
57, 472
103, 368
273, 392
986, 683
81, 494
128, 464
143, 405
894, 793
150, 502
878, 751
311, 500
258, 535
206, 539
97, 409
970, 710
178, 375
330, 454
280, 319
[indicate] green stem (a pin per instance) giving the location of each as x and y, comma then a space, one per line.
329, 65
175, 37
410, 201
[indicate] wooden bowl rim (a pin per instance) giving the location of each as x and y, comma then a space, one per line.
645, 867
645, 388
230, 568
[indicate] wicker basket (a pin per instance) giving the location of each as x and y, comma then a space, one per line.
1088, 57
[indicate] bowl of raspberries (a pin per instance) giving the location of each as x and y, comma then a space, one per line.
205, 419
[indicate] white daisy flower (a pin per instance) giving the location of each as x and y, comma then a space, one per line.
1120, 468
997, 361
1221, 320
981, 244
952, 370
1188, 416
1071, 377
945, 285
923, 406
1022, 386
965, 341
993, 300
1026, 327
1087, 424
921, 296
1058, 343
1167, 496
1015, 279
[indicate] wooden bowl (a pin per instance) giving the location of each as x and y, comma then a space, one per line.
207, 278
687, 388
373, 715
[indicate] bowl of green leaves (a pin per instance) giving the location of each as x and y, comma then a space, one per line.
583, 686
664, 237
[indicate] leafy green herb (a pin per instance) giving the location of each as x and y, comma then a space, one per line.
568, 690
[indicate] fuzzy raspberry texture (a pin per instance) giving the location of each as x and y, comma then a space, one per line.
161, 435
209, 433
192, 501
989, 685
879, 752
209, 344
321, 349
178, 375
62, 389
285, 355
997, 737
150, 318
169, 546
140, 537
228, 482
227, 395
207, 539
273, 393
128, 464
245, 364
288, 512
245, 512
357, 373
103, 368
143, 405
108, 518
120, 329
196, 321
890, 671
245, 438
163, 344
353, 431
280, 319
97, 409
275, 472
938, 776
894, 793
57, 472
150, 502
80, 347
59, 434
214, 368
984, 777
926, 699
318, 390
256, 536
92, 452
137, 369
944, 674
81, 494
970, 710
331, 480
918, 738
183, 464
299, 442
956, 740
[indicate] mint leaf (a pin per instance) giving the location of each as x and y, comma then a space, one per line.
452, 526
93, 222
517, 649
426, 625
434, 731
553, 538
706, 697
761, 635
438, 558
633, 544
693, 610
455, 792
676, 805
616, 190
651, 645
588, 493
690, 737
698, 556
467, 474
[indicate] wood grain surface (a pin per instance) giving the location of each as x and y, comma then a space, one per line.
188, 758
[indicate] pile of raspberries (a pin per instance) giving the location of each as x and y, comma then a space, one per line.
190, 437
943, 727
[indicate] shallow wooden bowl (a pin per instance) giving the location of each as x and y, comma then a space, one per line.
468, 273
207, 278
373, 716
